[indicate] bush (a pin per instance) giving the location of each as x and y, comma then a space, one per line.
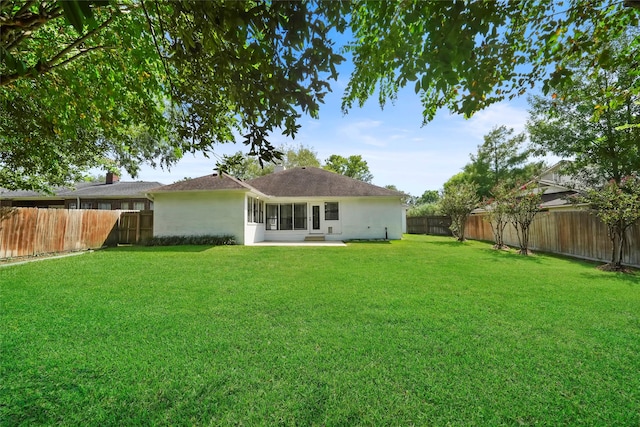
205, 240
424, 210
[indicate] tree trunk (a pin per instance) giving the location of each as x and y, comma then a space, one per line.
620, 250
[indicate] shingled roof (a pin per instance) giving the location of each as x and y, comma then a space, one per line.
87, 190
316, 182
205, 183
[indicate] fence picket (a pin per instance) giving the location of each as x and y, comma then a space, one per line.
575, 233
33, 231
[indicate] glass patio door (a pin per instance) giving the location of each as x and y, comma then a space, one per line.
315, 218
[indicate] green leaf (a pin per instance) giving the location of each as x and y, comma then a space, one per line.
73, 13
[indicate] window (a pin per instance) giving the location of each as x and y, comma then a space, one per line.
86, 205
138, 206
73, 205
125, 205
300, 216
287, 216
104, 206
272, 217
331, 211
255, 210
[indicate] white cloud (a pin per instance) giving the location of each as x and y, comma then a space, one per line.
364, 132
507, 114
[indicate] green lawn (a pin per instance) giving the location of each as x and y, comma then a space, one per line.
422, 331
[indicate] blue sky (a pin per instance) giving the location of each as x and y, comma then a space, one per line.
397, 147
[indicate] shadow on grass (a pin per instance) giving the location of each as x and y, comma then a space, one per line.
632, 278
164, 249
452, 243
512, 253
382, 242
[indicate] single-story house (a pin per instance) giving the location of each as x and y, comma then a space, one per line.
109, 195
305, 203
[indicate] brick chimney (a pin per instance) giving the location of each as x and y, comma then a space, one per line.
112, 178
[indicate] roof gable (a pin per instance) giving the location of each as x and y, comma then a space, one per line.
316, 182
205, 183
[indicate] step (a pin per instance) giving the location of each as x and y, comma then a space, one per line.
317, 238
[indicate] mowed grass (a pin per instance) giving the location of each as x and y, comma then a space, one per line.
423, 331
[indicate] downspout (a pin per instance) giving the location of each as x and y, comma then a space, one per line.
78, 202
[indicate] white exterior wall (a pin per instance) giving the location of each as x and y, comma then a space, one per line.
200, 213
359, 218
366, 218
253, 231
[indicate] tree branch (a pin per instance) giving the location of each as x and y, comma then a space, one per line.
80, 53
24, 33
50, 64
25, 19
25, 7
45, 67
155, 42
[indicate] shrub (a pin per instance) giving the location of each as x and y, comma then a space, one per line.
205, 240
424, 210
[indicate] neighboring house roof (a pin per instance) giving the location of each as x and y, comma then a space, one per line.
118, 189
316, 182
557, 199
556, 192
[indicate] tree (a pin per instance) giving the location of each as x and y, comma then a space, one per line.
167, 78
429, 196
592, 122
425, 209
457, 203
246, 167
468, 55
455, 181
497, 213
522, 207
238, 165
299, 156
69, 100
406, 199
617, 205
501, 159
352, 166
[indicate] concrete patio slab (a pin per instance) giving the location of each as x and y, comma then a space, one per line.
308, 243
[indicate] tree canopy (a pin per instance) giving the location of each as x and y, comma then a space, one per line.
457, 202
501, 159
594, 122
246, 167
84, 82
143, 81
617, 205
353, 166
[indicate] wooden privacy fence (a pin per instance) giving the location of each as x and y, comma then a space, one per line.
135, 227
33, 231
434, 224
575, 233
